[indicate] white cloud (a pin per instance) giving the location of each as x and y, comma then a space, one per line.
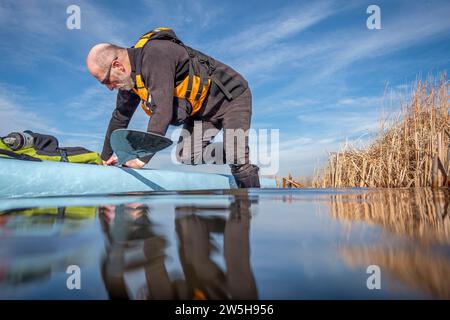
16, 117
343, 122
330, 55
91, 111
44, 27
288, 22
92, 105
278, 57
301, 155
399, 32
287, 105
104, 26
361, 101
191, 14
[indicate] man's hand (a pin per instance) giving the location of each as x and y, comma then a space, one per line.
111, 161
135, 164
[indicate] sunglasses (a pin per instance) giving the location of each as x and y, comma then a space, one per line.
105, 80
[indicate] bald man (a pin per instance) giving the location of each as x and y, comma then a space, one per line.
178, 85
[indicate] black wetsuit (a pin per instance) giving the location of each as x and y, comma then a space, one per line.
162, 61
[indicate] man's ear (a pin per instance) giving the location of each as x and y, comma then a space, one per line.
118, 65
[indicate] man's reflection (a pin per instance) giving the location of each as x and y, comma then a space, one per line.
204, 277
128, 227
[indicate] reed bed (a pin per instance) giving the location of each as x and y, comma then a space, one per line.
409, 151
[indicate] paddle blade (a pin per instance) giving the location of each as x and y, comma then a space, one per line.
132, 144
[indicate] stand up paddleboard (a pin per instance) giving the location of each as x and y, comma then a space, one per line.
19, 178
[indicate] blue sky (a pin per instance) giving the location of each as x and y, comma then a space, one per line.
317, 73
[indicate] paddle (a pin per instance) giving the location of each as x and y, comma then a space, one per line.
132, 144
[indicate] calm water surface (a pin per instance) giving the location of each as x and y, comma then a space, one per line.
233, 244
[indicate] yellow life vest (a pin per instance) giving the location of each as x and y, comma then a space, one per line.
194, 87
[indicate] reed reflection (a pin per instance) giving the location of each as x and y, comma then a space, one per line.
420, 269
420, 217
419, 213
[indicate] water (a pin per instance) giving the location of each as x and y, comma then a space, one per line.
233, 244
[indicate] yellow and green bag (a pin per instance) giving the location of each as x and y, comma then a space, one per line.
46, 147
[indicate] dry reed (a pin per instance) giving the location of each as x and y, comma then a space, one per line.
412, 151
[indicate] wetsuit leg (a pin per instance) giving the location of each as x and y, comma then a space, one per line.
236, 123
194, 139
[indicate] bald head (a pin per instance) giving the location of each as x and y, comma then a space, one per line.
106, 56
100, 57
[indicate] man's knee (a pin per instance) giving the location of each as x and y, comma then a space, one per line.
187, 155
246, 176
236, 146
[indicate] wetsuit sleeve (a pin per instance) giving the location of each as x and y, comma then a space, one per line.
158, 70
126, 104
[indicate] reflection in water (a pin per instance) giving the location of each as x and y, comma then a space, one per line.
128, 227
37, 242
204, 278
418, 213
417, 267
196, 245
422, 216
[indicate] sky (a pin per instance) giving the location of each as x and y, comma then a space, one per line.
317, 73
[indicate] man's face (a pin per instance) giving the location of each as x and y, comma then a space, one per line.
120, 80
116, 77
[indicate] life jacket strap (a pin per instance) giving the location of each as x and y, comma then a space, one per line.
64, 156
221, 87
154, 34
191, 79
203, 78
200, 83
208, 63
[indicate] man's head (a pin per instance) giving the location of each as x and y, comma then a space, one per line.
110, 65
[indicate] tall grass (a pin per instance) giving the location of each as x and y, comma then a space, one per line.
412, 151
